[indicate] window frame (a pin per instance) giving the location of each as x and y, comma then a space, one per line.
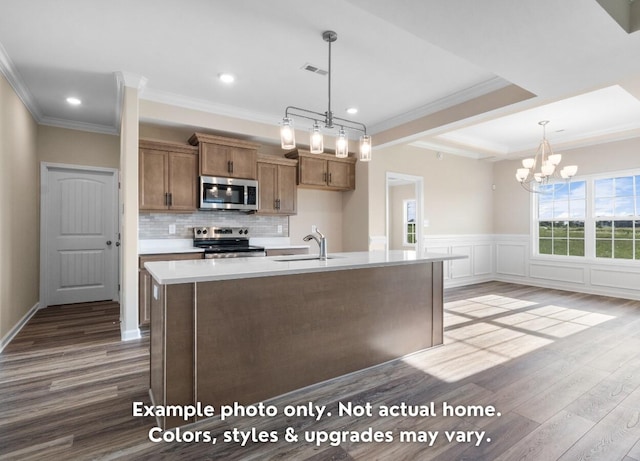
565, 222
405, 223
589, 224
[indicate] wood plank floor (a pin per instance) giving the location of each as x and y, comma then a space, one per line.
563, 370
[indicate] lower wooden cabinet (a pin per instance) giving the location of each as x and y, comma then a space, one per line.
144, 281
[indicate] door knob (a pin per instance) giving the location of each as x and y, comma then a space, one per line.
109, 242
117, 244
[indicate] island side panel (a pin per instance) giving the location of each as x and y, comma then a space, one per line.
176, 384
438, 303
156, 345
261, 337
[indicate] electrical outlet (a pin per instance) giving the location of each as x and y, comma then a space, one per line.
279, 228
314, 228
172, 228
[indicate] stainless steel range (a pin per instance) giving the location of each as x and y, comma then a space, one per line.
225, 242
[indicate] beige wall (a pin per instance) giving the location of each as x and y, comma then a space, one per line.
320, 208
512, 203
60, 145
457, 191
19, 210
355, 212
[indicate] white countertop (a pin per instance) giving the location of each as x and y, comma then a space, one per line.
206, 270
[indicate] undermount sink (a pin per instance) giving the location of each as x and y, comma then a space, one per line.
307, 258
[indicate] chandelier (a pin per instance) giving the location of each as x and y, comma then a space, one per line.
543, 168
316, 139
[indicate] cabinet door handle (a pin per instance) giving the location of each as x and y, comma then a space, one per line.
166, 198
277, 204
228, 166
170, 198
329, 178
324, 176
231, 167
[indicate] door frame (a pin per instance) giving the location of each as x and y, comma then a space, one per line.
45, 168
418, 182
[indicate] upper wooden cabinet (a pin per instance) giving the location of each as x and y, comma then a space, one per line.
168, 176
324, 171
277, 185
226, 157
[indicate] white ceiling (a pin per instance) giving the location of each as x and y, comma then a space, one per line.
396, 61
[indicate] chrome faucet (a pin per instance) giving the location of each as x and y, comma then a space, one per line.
322, 243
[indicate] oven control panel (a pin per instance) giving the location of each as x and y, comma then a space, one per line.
219, 232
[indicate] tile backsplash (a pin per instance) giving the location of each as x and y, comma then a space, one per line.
156, 225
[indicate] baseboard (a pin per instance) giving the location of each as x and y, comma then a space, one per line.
129, 335
18, 326
454, 283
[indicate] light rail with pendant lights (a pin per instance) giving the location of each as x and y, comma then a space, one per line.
316, 139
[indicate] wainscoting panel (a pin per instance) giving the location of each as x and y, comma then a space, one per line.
557, 273
512, 255
515, 263
482, 259
462, 267
508, 258
475, 268
627, 279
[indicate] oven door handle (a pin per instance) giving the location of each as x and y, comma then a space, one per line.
246, 254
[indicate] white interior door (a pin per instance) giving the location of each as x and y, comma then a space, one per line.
79, 234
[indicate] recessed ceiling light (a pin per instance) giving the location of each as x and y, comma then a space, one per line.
74, 101
352, 110
226, 78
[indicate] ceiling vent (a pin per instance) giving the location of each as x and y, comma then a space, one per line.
314, 69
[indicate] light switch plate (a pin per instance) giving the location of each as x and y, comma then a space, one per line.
172, 228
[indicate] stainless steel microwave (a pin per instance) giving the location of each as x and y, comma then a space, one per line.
228, 194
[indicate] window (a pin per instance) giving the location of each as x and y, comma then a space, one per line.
598, 217
617, 217
561, 219
409, 222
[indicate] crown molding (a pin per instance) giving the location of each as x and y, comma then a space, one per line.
459, 151
15, 80
475, 91
131, 80
81, 126
119, 100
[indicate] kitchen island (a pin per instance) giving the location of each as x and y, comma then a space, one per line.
248, 329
